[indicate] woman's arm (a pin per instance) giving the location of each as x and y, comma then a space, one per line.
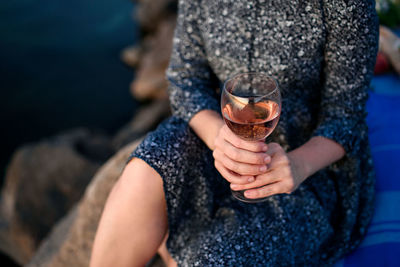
349, 58
318, 153
206, 124
285, 172
193, 98
288, 170
191, 80
238, 161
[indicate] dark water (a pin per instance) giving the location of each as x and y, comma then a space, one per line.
60, 68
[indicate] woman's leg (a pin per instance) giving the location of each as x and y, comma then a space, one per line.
134, 220
166, 257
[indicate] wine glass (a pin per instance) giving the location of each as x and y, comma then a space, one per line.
251, 107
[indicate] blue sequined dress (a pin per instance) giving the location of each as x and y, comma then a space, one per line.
322, 53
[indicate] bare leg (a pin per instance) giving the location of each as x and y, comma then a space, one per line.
134, 220
166, 257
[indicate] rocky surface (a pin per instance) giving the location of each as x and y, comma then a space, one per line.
70, 242
150, 79
131, 55
145, 119
43, 181
157, 21
150, 13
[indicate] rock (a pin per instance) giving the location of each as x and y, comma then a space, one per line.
132, 55
70, 242
151, 57
150, 81
43, 181
151, 12
145, 119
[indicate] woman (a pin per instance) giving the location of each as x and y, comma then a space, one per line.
317, 172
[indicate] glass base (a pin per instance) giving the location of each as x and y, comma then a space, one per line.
240, 196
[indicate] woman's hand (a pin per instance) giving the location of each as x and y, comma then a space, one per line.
239, 161
284, 175
285, 172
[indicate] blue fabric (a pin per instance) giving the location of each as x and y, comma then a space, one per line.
381, 246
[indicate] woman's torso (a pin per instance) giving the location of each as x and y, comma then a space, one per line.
284, 39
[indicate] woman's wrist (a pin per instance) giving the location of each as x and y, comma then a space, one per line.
302, 170
318, 153
206, 124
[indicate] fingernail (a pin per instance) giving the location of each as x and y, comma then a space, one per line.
234, 186
251, 179
265, 148
263, 169
266, 159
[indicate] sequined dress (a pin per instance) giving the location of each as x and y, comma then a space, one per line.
322, 53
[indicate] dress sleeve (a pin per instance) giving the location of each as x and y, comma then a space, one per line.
350, 52
192, 83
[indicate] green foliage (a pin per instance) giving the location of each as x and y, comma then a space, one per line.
388, 12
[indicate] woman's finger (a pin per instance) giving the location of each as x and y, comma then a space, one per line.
245, 156
266, 191
254, 146
241, 155
238, 167
274, 148
231, 176
267, 178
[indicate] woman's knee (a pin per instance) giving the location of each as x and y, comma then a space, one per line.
137, 180
138, 173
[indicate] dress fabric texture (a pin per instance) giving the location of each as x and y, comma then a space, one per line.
322, 54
